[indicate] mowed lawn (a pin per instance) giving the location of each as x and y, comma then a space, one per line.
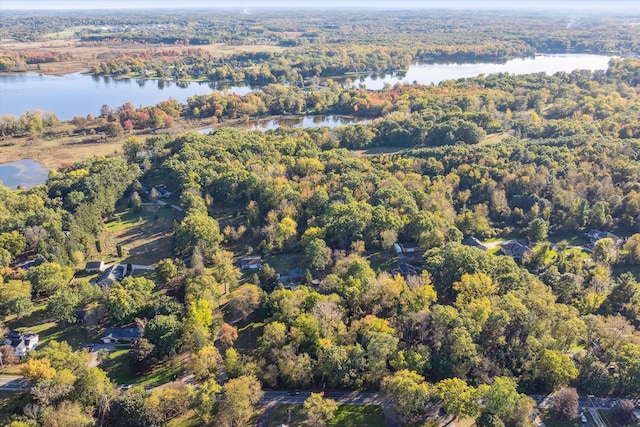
146, 236
116, 364
346, 416
38, 322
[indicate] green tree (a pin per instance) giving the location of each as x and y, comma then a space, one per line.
555, 369
628, 360
409, 393
605, 251
130, 410
13, 242
165, 332
63, 304
62, 356
131, 147
538, 230
318, 254
166, 270
233, 364
93, 386
48, 277
203, 400
318, 411
201, 230
246, 299
15, 298
457, 398
501, 397
204, 363
240, 398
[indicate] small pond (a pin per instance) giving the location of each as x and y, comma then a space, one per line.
25, 173
264, 125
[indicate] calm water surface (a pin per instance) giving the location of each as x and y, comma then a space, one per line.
78, 95
294, 122
25, 173
436, 73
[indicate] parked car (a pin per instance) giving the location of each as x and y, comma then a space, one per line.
583, 417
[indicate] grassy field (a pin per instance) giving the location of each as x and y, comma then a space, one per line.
249, 330
346, 416
39, 323
190, 419
382, 261
117, 367
283, 263
578, 239
146, 236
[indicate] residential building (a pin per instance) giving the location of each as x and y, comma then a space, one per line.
472, 241
121, 335
250, 263
406, 248
595, 235
515, 249
22, 344
94, 267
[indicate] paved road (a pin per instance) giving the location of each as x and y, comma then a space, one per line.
544, 401
14, 383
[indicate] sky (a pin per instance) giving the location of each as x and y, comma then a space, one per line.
621, 5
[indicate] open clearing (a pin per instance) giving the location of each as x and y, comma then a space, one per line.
146, 236
117, 367
48, 330
85, 55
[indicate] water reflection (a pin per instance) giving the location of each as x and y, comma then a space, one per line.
86, 94
298, 122
25, 173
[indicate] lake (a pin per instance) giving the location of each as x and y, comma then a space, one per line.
78, 94
293, 122
438, 72
25, 173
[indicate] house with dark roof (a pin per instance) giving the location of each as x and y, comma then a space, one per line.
472, 241
22, 344
595, 235
112, 274
121, 335
94, 267
250, 263
515, 249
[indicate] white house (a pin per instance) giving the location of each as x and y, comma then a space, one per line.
22, 344
406, 248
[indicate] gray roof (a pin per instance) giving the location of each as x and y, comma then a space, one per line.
123, 333
472, 241
94, 264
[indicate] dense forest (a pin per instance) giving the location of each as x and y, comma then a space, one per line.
313, 43
456, 328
